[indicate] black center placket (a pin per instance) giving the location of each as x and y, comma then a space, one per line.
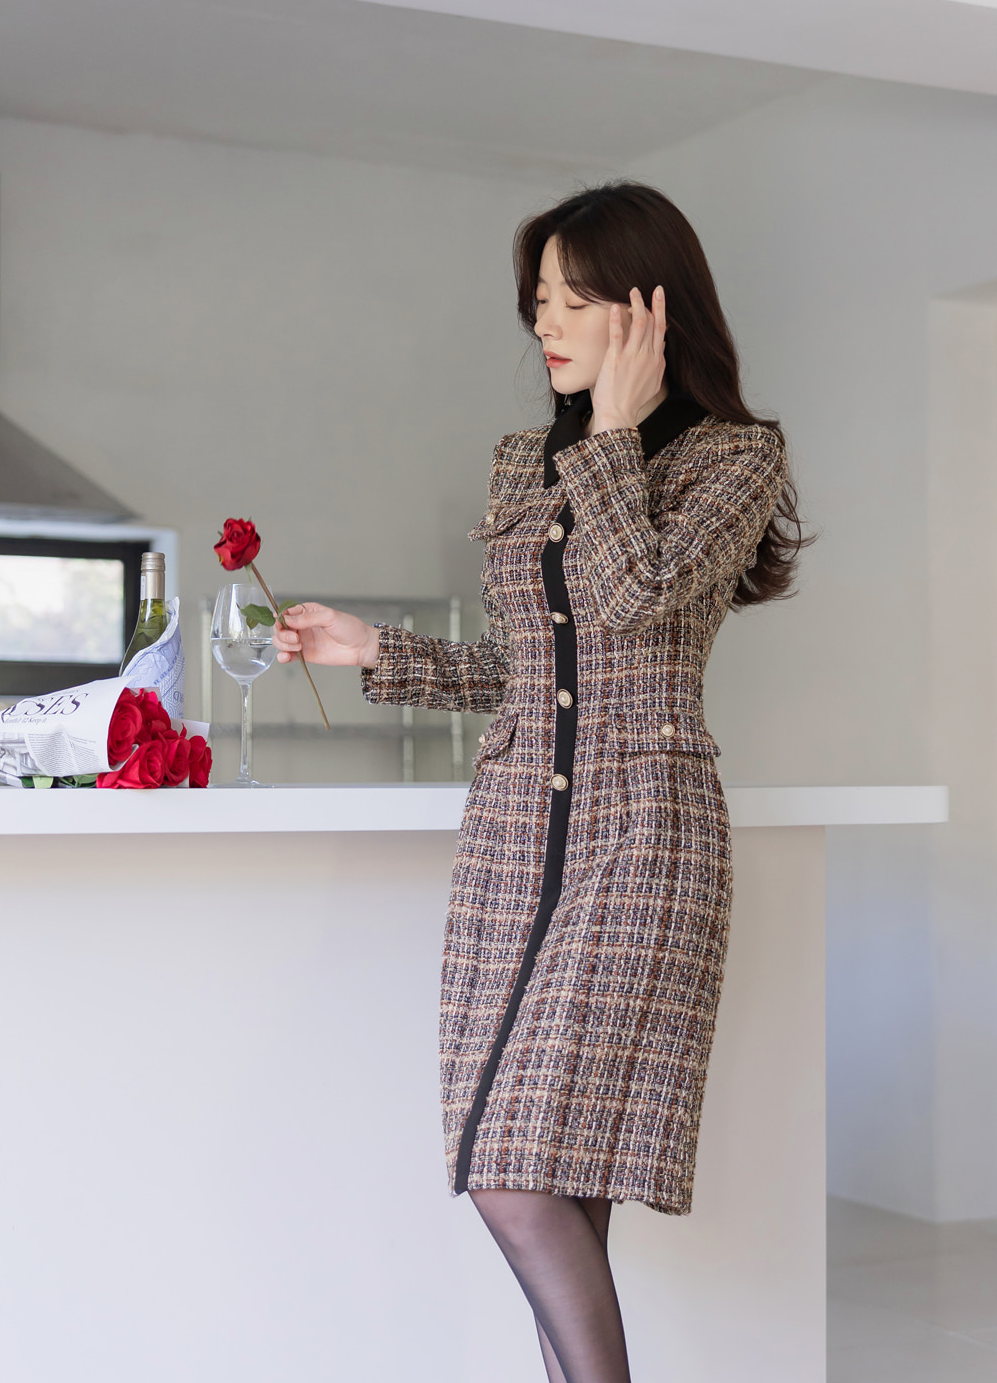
565, 697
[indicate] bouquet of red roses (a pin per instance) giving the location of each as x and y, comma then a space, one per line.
63, 740
147, 750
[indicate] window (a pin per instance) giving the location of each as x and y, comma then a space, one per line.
66, 609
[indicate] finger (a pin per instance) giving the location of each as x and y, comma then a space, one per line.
303, 617
615, 326
286, 643
660, 320
638, 320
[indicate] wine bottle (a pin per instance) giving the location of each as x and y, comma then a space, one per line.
153, 616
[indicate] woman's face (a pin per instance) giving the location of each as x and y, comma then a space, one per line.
574, 332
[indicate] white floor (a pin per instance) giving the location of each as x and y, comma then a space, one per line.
910, 1301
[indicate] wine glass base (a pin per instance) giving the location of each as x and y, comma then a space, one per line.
241, 783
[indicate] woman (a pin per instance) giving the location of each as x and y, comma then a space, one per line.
588, 918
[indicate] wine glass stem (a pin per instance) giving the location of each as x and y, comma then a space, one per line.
244, 774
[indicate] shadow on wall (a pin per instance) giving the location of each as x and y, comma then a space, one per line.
912, 945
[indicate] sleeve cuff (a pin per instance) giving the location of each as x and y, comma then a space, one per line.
602, 471
391, 674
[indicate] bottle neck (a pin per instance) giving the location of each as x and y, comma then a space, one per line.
152, 586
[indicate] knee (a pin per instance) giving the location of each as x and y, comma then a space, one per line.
512, 1216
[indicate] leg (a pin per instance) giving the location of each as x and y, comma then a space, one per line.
598, 1211
557, 1251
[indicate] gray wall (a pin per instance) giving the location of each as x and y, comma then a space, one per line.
326, 346
839, 223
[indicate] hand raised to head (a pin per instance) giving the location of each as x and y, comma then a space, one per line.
633, 368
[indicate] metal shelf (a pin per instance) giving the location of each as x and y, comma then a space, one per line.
277, 730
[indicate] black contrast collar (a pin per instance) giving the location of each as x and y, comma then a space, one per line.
671, 417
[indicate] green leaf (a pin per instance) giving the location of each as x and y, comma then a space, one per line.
286, 605
81, 780
257, 614
38, 781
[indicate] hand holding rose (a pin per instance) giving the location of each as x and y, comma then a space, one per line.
326, 636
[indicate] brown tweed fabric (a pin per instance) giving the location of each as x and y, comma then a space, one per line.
598, 1088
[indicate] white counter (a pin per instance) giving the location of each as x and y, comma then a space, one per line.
218, 1067
418, 807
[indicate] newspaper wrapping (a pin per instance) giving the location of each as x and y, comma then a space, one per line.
61, 733
161, 665
65, 732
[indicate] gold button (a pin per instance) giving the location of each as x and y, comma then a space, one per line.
668, 729
559, 782
565, 699
558, 618
555, 533
489, 519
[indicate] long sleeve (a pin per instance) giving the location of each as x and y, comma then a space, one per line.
417, 670
643, 566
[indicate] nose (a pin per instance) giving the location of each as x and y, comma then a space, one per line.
547, 323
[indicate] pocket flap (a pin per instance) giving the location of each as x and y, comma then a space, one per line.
651, 730
499, 518
497, 736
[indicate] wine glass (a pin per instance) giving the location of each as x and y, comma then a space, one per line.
242, 652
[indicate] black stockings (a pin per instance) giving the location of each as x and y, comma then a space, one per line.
556, 1246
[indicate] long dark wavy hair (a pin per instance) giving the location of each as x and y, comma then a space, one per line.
622, 235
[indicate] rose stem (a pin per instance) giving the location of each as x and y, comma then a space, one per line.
283, 623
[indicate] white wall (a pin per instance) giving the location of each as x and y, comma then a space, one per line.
832, 221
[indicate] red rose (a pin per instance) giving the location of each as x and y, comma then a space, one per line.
155, 722
200, 761
125, 728
145, 768
239, 544
177, 751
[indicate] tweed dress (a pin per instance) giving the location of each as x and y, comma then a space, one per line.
588, 920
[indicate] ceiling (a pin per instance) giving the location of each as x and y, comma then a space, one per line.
942, 43
366, 81
455, 85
